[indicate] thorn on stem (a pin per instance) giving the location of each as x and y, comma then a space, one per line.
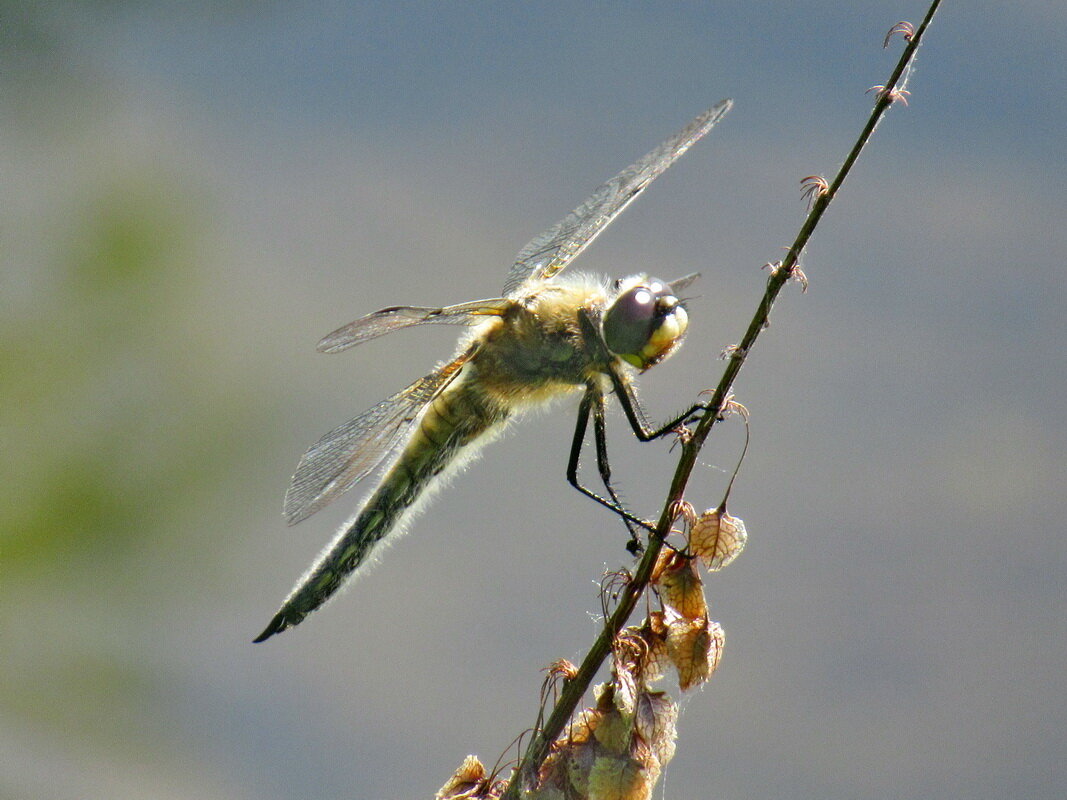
733, 407
905, 29
795, 274
680, 509
892, 95
730, 351
562, 668
815, 186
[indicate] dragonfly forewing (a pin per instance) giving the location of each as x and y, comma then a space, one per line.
551, 251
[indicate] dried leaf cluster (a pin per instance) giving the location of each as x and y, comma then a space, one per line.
617, 749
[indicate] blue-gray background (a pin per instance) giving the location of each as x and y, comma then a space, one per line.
194, 193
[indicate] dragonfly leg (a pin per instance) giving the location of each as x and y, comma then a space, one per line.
600, 436
635, 415
593, 402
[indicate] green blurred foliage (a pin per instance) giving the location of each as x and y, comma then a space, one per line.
125, 427
89, 395
125, 430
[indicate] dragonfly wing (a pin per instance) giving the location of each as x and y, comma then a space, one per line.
342, 457
393, 319
550, 252
679, 285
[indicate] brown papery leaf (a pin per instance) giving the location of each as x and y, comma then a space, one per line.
583, 726
580, 765
552, 775
718, 642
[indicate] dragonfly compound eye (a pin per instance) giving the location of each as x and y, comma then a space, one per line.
645, 324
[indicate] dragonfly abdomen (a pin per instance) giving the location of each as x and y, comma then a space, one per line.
449, 431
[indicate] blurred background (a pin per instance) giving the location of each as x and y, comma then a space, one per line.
194, 193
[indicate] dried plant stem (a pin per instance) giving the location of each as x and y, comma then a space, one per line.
576, 687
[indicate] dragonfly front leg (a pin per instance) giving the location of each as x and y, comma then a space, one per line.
593, 402
635, 415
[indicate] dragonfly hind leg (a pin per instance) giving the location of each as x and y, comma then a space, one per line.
593, 403
600, 436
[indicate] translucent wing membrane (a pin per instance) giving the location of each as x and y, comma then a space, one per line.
337, 461
550, 252
392, 319
679, 285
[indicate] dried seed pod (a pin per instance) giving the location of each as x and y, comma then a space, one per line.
620, 778
614, 732
695, 648
681, 589
467, 783
627, 657
654, 660
655, 723
717, 538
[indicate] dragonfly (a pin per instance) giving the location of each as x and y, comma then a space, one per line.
548, 335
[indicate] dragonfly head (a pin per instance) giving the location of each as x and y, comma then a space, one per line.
645, 322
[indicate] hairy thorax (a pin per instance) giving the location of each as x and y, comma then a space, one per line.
536, 350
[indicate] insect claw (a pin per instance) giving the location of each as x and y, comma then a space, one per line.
905, 29
682, 431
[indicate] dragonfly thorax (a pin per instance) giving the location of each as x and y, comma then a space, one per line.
645, 323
